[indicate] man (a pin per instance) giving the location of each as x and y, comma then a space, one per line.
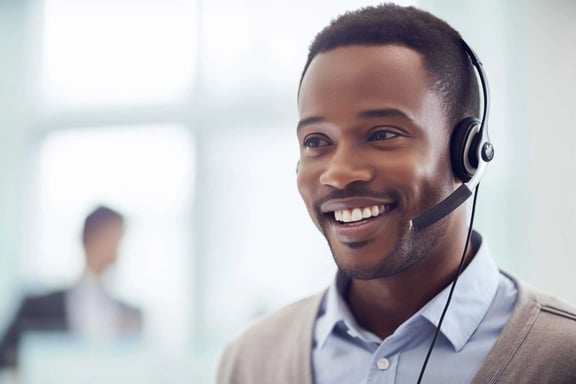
86, 309
381, 96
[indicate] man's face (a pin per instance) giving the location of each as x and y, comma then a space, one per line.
103, 245
373, 155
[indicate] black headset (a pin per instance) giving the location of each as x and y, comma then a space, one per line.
470, 152
470, 147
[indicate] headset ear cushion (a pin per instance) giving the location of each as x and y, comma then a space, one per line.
463, 149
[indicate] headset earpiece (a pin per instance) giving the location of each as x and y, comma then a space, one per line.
464, 148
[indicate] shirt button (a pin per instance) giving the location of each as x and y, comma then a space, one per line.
383, 364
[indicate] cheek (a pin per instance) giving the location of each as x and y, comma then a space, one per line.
423, 177
406, 172
435, 181
307, 184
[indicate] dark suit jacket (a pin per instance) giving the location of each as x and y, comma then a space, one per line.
49, 313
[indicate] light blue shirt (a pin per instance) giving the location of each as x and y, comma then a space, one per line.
481, 305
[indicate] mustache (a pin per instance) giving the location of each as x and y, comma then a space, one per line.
355, 191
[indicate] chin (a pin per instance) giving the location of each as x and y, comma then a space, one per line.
371, 260
381, 270
358, 262
359, 273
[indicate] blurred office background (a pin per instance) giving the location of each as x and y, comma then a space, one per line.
181, 114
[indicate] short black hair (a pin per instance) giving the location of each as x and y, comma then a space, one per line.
98, 218
448, 65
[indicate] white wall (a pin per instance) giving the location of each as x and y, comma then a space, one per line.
543, 75
15, 102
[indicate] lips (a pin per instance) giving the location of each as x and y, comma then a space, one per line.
357, 220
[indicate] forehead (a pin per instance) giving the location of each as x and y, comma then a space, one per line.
366, 77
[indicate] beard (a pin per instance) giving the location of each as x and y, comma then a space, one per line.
410, 247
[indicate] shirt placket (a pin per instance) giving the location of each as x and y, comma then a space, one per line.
382, 368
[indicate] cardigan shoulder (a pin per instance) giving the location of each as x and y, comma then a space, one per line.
275, 349
537, 344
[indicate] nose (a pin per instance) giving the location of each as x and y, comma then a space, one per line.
346, 167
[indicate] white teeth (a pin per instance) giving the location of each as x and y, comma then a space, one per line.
357, 214
338, 215
346, 216
367, 212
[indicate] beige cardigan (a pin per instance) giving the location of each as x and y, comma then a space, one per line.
537, 346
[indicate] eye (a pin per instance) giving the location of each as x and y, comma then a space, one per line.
382, 134
315, 142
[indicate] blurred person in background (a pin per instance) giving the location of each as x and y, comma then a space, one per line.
87, 309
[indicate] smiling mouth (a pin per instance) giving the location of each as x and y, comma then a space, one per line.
360, 214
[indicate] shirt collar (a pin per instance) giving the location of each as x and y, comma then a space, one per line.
334, 310
474, 292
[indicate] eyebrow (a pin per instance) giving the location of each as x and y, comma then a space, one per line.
309, 121
385, 112
372, 113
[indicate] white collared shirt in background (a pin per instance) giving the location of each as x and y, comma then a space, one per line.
92, 311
